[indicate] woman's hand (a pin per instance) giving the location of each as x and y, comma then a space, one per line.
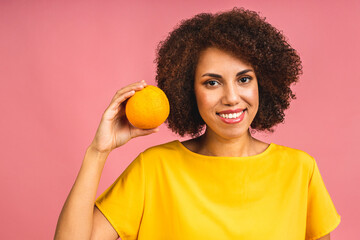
114, 129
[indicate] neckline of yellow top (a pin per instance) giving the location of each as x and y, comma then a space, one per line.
260, 155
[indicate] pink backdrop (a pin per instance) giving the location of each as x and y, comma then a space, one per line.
61, 62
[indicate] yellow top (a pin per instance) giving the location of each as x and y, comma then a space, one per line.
169, 192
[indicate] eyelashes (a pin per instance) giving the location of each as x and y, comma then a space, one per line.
215, 82
212, 83
247, 79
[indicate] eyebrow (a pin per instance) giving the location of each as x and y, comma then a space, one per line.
219, 76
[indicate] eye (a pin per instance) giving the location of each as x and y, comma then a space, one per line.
211, 83
245, 79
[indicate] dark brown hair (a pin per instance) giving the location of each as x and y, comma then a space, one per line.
242, 33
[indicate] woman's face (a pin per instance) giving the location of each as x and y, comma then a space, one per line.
226, 91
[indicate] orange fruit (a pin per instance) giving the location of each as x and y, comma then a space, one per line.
147, 108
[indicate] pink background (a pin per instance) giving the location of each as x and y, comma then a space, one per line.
61, 62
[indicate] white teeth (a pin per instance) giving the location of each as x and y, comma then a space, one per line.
231, 115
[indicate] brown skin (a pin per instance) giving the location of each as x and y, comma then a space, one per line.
230, 91
244, 39
326, 237
219, 87
79, 219
243, 34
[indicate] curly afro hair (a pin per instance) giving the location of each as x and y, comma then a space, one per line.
242, 33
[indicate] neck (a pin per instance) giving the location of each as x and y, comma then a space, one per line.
213, 145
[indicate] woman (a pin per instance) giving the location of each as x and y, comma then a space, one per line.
224, 74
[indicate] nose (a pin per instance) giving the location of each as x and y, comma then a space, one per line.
231, 95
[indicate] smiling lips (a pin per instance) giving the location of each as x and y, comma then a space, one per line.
232, 116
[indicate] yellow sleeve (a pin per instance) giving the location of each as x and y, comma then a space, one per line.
123, 202
322, 217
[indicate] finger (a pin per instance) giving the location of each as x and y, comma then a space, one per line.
136, 132
134, 86
125, 93
114, 105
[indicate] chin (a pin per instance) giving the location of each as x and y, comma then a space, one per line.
231, 133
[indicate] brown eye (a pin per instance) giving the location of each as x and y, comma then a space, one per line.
211, 83
245, 79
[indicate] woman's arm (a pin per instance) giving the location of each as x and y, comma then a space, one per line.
76, 218
79, 219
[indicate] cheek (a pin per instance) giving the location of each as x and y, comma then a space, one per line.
251, 93
252, 97
204, 100
255, 96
